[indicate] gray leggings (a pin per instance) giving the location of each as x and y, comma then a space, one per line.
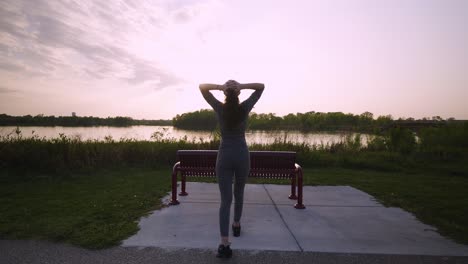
233, 162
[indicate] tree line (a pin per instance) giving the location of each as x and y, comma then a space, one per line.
42, 120
309, 121
206, 120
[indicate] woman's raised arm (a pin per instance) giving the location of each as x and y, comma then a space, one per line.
252, 100
253, 86
205, 90
210, 86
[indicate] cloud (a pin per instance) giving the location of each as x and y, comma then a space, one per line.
4, 90
184, 14
86, 38
7, 66
144, 71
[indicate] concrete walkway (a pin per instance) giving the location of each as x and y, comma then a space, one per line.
336, 220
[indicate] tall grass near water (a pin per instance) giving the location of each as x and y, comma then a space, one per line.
65, 153
445, 148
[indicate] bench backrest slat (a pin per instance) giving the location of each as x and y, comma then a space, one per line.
264, 164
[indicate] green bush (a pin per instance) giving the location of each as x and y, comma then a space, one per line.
401, 140
446, 142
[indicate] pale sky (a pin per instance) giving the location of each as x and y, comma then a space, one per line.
145, 59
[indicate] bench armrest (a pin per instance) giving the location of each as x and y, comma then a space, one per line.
298, 167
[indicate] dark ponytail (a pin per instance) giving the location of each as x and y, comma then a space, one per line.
233, 113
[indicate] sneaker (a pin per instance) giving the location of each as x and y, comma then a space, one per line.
224, 251
236, 230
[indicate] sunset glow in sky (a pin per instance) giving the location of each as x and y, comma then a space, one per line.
145, 59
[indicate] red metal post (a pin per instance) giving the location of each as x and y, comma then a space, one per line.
175, 170
299, 204
293, 196
183, 180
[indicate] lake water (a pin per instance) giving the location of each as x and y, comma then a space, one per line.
168, 132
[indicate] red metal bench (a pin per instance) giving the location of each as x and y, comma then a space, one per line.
263, 164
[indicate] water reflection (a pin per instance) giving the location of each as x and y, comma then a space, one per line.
169, 132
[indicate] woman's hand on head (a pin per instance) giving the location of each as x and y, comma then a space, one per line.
231, 84
222, 87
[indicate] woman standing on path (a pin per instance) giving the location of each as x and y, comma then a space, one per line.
233, 161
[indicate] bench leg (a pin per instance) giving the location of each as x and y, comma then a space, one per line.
293, 196
299, 204
183, 192
174, 185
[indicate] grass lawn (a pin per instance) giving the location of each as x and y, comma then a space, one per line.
94, 210
101, 208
